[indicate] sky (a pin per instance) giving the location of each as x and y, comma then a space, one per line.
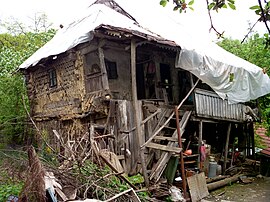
234, 23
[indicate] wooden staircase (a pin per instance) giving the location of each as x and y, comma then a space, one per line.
171, 139
171, 145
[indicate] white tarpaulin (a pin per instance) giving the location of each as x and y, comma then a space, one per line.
80, 31
228, 75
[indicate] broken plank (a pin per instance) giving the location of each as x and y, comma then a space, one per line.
164, 147
172, 139
197, 187
157, 170
132, 194
112, 161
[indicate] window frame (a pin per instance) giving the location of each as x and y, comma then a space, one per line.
52, 78
111, 68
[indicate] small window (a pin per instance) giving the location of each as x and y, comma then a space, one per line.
111, 68
52, 78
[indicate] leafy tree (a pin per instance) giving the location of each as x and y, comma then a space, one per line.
15, 47
254, 51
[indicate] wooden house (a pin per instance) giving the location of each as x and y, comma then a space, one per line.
106, 76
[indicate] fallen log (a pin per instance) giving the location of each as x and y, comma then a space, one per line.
217, 178
221, 183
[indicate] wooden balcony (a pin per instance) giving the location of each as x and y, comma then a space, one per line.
209, 105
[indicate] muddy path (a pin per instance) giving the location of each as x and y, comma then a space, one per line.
256, 191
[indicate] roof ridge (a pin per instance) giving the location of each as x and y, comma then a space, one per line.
115, 6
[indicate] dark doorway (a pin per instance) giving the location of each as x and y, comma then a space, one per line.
166, 79
140, 82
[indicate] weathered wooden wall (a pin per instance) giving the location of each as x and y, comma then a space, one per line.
210, 105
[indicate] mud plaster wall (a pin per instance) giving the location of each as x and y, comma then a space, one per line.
65, 98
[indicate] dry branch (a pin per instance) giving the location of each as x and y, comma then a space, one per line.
34, 187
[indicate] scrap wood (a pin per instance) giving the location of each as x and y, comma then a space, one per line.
61, 194
130, 192
221, 183
34, 187
197, 186
217, 178
111, 159
219, 194
133, 195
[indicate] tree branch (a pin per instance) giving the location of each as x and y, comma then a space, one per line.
263, 16
250, 30
220, 35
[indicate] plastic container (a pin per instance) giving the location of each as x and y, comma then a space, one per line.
218, 170
212, 170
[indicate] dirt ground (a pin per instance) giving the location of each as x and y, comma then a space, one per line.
256, 191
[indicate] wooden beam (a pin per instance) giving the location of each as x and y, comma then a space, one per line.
172, 139
105, 82
164, 147
136, 109
226, 147
251, 133
200, 143
181, 153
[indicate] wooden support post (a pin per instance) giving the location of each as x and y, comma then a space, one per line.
251, 130
181, 153
226, 147
200, 143
136, 110
105, 82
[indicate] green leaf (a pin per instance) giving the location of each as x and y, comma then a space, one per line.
176, 8
231, 1
211, 5
191, 8
258, 12
255, 7
191, 2
163, 3
224, 6
232, 6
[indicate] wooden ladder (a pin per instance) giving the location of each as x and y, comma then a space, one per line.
168, 149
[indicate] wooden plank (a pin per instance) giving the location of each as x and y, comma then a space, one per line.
112, 161
136, 108
181, 153
200, 144
132, 195
226, 147
172, 139
157, 170
164, 147
105, 82
171, 116
197, 187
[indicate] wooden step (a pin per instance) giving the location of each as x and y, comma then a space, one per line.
164, 147
172, 139
168, 127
